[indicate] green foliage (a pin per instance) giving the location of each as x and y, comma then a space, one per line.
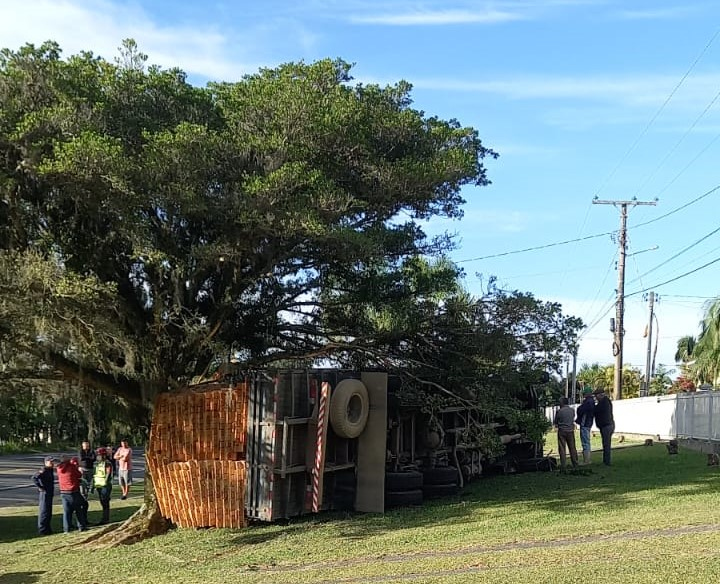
661, 382
700, 358
184, 222
603, 377
489, 441
149, 226
533, 424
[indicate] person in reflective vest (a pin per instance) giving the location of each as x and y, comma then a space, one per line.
102, 483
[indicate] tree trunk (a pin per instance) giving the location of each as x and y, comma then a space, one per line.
146, 522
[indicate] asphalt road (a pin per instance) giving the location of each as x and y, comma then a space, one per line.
16, 470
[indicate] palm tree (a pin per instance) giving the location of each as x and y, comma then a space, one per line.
702, 357
685, 348
596, 376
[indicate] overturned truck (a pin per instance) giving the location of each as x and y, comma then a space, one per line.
281, 444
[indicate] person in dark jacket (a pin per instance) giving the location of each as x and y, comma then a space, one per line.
87, 458
69, 477
44, 480
605, 422
585, 416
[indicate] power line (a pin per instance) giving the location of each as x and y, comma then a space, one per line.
710, 263
537, 247
599, 318
680, 208
677, 144
587, 237
678, 254
601, 286
657, 114
688, 165
688, 296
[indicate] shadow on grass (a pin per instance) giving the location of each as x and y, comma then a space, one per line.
20, 577
23, 526
635, 469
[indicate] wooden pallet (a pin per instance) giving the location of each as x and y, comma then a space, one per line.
196, 455
201, 493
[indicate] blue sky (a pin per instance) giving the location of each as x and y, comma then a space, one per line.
614, 98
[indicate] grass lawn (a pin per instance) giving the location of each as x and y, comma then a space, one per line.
649, 518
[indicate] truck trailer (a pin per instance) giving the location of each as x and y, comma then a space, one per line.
304, 441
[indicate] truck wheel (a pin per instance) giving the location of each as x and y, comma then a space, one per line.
349, 408
439, 491
403, 498
403, 481
440, 475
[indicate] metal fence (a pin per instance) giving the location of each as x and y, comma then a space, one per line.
698, 416
686, 415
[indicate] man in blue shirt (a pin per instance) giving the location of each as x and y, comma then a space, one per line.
44, 480
585, 416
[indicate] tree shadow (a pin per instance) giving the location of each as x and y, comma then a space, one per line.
24, 527
635, 468
20, 577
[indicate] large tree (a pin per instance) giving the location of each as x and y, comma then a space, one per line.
148, 225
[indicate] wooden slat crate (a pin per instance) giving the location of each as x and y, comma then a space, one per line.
201, 493
196, 455
200, 425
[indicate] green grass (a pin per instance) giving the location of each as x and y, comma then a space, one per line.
648, 518
14, 447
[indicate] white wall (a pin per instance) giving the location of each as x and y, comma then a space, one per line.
654, 416
691, 415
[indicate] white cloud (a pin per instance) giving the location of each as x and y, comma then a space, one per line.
438, 17
667, 13
448, 12
100, 26
639, 90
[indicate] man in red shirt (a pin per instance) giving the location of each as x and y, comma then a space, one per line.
69, 476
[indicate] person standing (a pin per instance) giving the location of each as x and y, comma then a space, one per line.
44, 480
605, 422
110, 449
102, 483
585, 416
124, 457
69, 477
565, 424
87, 459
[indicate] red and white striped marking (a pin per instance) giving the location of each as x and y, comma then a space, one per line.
320, 445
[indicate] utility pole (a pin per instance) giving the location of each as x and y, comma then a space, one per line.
648, 360
573, 390
620, 302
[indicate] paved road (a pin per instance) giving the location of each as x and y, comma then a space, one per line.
16, 488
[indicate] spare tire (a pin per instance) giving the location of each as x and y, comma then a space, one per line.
349, 408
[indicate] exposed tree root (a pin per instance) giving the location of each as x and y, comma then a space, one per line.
146, 522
